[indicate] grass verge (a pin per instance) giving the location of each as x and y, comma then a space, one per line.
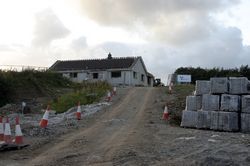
15, 85
178, 103
85, 93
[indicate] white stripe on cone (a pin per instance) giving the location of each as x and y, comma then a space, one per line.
7, 132
45, 119
46, 115
19, 134
165, 113
109, 96
18, 130
114, 91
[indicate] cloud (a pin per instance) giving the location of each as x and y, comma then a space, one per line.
175, 22
5, 48
79, 43
178, 32
48, 27
223, 49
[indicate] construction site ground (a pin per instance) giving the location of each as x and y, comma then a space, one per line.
130, 131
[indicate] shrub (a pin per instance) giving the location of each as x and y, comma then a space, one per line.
86, 93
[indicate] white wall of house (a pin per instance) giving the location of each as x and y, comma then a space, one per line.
118, 77
126, 77
75, 76
139, 70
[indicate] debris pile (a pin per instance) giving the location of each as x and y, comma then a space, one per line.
219, 104
56, 124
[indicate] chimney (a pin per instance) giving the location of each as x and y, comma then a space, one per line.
109, 56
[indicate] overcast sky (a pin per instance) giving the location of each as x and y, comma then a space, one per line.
167, 33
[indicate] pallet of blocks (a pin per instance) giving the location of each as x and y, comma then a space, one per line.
221, 104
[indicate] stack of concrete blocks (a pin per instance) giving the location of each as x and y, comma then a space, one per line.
193, 104
223, 104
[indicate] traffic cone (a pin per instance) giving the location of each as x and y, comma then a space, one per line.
1, 129
7, 131
165, 113
45, 119
19, 134
170, 88
109, 96
78, 112
114, 91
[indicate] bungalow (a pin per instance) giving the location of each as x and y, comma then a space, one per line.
129, 71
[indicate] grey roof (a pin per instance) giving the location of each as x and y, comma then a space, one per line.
94, 64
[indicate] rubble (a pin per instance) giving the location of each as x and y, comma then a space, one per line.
67, 120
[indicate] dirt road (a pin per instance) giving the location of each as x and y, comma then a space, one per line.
131, 132
111, 140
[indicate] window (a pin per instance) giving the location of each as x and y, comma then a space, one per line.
135, 75
95, 75
116, 74
142, 77
73, 75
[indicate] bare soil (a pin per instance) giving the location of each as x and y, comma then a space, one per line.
131, 132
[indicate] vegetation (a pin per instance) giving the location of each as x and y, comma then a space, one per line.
48, 84
13, 84
85, 93
205, 74
178, 103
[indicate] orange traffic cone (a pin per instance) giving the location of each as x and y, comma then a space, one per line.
114, 91
109, 96
1, 129
78, 112
19, 134
165, 113
7, 132
170, 89
45, 119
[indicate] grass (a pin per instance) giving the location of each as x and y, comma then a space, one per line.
29, 82
85, 93
178, 102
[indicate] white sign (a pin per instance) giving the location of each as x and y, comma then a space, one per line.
184, 78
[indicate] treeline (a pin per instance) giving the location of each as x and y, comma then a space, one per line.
205, 74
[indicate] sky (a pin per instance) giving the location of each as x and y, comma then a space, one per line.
167, 34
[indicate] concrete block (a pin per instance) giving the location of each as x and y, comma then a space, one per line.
245, 122
248, 87
245, 104
215, 122
230, 103
203, 119
224, 121
202, 87
210, 102
238, 85
219, 85
193, 103
189, 119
